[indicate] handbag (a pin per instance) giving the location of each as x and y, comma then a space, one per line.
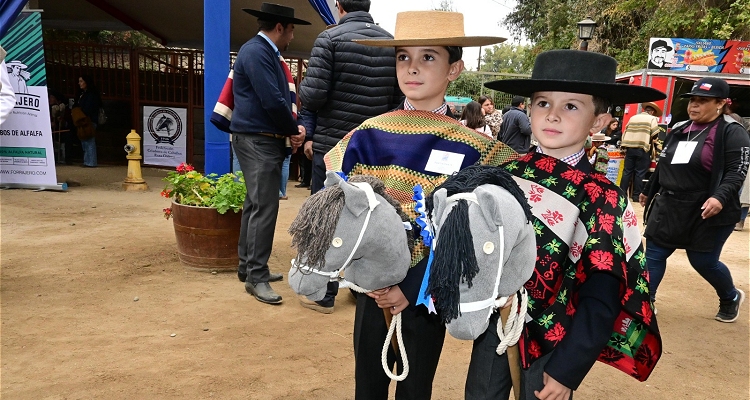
102, 118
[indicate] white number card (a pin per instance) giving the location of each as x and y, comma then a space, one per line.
684, 152
444, 162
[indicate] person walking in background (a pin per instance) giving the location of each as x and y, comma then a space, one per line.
473, 117
692, 200
89, 101
262, 119
345, 84
493, 117
516, 128
637, 139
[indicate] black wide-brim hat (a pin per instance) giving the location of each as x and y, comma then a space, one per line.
276, 13
575, 71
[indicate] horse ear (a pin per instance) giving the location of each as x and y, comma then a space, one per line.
439, 198
332, 179
490, 206
355, 198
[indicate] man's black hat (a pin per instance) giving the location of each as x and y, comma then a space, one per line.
709, 87
275, 13
661, 43
576, 71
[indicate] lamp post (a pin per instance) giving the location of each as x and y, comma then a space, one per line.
585, 32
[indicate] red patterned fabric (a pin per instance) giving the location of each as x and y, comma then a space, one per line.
584, 225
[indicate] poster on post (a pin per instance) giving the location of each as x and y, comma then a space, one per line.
703, 55
26, 154
164, 140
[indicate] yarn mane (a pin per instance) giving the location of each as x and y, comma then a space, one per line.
456, 262
313, 229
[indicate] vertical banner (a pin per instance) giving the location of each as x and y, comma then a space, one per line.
26, 155
164, 140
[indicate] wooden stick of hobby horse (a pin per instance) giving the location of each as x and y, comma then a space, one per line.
513, 358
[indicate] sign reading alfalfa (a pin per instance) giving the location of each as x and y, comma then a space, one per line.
164, 130
703, 55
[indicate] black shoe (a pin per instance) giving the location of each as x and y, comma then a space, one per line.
729, 310
271, 277
301, 185
263, 292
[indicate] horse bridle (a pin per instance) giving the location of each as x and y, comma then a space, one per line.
337, 275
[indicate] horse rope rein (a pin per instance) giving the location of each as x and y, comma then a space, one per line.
511, 331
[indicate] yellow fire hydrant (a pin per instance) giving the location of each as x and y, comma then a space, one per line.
134, 181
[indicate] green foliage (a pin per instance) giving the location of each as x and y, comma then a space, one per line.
116, 38
625, 26
507, 58
189, 187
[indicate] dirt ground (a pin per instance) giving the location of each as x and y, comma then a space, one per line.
92, 292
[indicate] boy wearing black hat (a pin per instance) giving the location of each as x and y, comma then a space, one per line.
588, 296
418, 144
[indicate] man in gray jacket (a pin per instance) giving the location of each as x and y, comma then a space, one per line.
346, 83
516, 128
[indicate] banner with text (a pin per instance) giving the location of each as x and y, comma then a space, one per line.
164, 133
704, 55
26, 154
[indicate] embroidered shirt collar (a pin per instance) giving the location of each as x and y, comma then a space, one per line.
572, 159
443, 109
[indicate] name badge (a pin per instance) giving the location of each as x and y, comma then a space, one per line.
444, 162
684, 152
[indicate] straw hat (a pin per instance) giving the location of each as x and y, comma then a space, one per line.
16, 63
431, 28
652, 105
576, 71
600, 137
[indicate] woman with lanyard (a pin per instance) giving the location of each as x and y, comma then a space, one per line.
692, 199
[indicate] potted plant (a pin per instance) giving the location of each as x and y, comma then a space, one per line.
206, 211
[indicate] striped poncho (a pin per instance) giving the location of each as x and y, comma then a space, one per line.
395, 148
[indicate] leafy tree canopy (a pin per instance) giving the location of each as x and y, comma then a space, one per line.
625, 26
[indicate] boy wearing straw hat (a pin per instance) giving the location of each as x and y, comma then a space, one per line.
588, 295
418, 144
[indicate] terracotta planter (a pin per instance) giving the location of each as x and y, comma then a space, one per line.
206, 240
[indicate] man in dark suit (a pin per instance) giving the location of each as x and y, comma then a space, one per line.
262, 120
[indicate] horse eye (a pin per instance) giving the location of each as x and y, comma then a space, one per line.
488, 247
337, 242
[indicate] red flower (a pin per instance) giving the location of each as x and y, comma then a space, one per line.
556, 334
166, 193
646, 312
573, 175
629, 218
535, 194
181, 168
526, 157
189, 168
534, 349
601, 259
606, 222
628, 293
580, 273
611, 197
552, 217
570, 308
593, 190
547, 164
576, 249
167, 212
600, 177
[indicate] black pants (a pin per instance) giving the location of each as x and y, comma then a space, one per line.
260, 159
489, 373
306, 167
637, 162
423, 335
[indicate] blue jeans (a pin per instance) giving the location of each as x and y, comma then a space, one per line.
707, 264
284, 175
89, 152
235, 162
